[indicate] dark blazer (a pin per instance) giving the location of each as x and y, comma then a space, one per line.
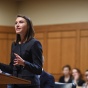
79, 83
33, 62
46, 80
63, 81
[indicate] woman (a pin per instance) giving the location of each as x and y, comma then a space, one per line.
26, 54
77, 78
85, 85
66, 78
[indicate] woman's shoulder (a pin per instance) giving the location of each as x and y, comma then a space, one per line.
36, 42
81, 82
61, 77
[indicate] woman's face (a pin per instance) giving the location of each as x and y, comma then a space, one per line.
86, 76
66, 71
21, 26
75, 74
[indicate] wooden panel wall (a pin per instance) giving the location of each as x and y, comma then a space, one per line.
62, 44
84, 50
7, 35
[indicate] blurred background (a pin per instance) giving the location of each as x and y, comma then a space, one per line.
60, 25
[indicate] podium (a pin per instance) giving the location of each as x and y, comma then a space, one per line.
7, 79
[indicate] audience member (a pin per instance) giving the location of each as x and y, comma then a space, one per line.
66, 78
77, 78
46, 80
85, 85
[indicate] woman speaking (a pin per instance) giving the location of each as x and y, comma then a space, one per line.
26, 54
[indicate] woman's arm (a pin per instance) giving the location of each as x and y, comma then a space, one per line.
36, 66
6, 68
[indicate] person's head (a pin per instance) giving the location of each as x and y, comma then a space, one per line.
23, 28
76, 73
66, 70
86, 76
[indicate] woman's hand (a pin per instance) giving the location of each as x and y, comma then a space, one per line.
76, 79
18, 60
0, 71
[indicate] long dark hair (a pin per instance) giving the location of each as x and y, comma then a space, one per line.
30, 32
79, 72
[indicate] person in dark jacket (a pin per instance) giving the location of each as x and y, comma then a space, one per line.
77, 78
85, 85
26, 54
66, 78
46, 80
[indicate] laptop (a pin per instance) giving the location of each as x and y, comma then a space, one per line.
63, 85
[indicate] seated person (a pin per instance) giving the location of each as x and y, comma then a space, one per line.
85, 85
66, 78
46, 80
77, 78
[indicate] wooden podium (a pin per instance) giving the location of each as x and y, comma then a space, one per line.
6, 79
